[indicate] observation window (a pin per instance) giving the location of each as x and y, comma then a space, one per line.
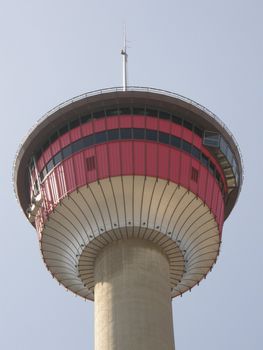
74, 123
85, 118
66, 151
211, 139
164, 115
77, 145
186, 146
99, 114
100, 137
175, 141
151, 135
164, 138
57, 158
63, 130
187, 125
196, 152
138, 133
113, 134
126, 133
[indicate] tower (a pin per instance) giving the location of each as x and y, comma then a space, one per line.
128, 190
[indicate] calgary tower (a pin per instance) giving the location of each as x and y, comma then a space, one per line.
128, 189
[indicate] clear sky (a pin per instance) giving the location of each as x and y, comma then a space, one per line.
209, 51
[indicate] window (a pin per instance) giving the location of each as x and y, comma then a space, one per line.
195, 152
85, 118
151, 112
66, 151
211, 139
164, 115
151, 135
90, 161
100, 137
164, 138
50, 165
113, 134
177, 120
74, 123
126, 133
187, 146
204, 160
187, 125
175, 141
63, 130
54, 136
99, 114
57, 158
138, 134
88, 141
198, 131
125, 110
77, 145
113, 111
138, 110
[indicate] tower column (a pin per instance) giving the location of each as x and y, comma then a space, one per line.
132, 295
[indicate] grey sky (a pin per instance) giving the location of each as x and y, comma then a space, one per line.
210, 51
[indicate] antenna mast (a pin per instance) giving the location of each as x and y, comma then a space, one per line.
124, 62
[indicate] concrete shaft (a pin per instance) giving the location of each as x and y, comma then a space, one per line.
132, 294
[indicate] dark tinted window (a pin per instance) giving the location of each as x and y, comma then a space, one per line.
138, 133
113, 134
99, 114
50, 165
151, 112
112, 112
66, 151
204, 160
63, 130
126, 133
74, 123
196, 153
186, 146
57, 158
85, 118
77, 145
163, 137
54, 136
175, 141
100, 137
88, 141
45, 146
43, 173
138, 110
187, 125
151, 135
125, 110
164, 115
211, 168
198, 131
177, 120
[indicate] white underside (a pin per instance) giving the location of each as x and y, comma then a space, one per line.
121, 208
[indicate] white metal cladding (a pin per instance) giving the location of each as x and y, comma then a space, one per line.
123, 207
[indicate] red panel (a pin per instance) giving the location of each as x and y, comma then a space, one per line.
163, 162
69, 174
114, 158
87, 129
75, 134
126, 158
40, 163
64, 140
47, 155
99, 124
112, 122
164, 125
185, 170
151, 158
202, 182
55, 147
175, 166
187, 135
209, 190
197, 141
193, 185
139, 157
79, 165
138, 121
102, 161
176, 130
151, 123
125, 121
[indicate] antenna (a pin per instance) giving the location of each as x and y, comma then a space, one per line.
124, 62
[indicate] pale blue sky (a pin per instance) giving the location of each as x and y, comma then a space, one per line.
210, 51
